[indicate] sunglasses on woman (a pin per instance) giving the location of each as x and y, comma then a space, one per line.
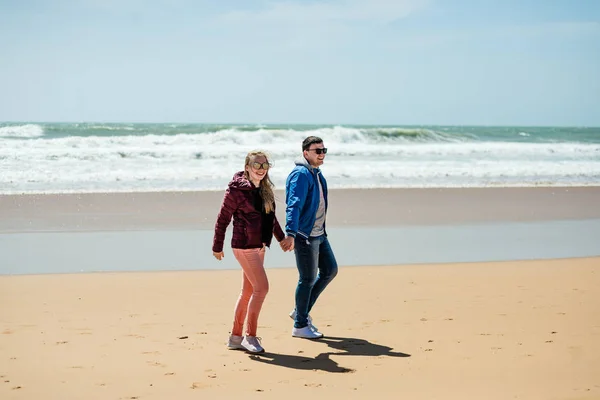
257, 165
319, 151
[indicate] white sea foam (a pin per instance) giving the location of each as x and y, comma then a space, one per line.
356, 158
21, 131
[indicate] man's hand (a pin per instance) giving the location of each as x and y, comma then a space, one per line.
287, 244
218, 255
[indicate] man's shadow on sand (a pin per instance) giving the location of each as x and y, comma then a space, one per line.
322, 362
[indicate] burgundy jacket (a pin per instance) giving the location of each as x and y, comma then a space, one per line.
248, 230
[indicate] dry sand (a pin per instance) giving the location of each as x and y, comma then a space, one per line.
527, 330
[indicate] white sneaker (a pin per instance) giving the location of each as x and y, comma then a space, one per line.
310, 322
252, 344
306, 333
235, 343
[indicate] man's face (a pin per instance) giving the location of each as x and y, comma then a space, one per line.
314, 159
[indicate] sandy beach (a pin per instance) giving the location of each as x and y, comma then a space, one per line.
526, 329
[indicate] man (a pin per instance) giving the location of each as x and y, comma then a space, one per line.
306, 198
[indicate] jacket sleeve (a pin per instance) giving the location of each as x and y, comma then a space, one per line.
295, 196
230, 204
277, 231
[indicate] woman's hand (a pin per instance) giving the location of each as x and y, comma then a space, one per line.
287, 244
218, 255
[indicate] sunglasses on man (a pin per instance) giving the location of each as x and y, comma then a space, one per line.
319, 151
257, 165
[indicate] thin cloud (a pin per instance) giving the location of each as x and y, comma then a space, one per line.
312, 25
569, 30
341, 11
122, 7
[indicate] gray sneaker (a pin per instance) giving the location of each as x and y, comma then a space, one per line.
235, 343
252, 344
310, 323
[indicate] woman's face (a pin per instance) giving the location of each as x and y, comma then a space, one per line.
257, 174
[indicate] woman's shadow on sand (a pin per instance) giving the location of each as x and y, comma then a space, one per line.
322, 362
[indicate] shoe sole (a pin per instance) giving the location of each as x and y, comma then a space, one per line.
309, 338
237, 347
255, 352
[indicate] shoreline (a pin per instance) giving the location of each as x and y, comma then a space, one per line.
348, 207
278, 188
443, 264
174, 231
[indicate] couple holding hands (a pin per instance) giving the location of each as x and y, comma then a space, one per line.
250, 201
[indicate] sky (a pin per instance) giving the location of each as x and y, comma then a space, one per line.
376, 62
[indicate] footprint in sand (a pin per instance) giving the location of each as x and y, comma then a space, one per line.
198, 385
155, 364
135, 336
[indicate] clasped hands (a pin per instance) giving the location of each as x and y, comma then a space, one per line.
287, 244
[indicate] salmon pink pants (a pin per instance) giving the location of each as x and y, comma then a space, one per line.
255, 287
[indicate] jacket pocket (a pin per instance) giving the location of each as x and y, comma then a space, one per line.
253, 237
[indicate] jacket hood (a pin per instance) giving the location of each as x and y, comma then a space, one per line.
302, 161
240, 182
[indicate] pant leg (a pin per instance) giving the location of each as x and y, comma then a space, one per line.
241, 306
328, 269
307, 253
252, 262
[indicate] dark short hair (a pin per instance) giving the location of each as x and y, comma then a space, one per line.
310, 140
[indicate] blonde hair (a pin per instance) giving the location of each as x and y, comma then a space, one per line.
266, 185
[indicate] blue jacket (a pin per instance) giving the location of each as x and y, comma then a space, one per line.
302, 198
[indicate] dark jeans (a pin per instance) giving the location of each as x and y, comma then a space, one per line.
312, 255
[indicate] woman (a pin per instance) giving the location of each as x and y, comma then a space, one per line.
249, 199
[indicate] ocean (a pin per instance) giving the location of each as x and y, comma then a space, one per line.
123, 157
